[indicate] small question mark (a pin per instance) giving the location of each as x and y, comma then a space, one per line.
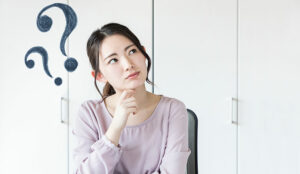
44, 24
44, 54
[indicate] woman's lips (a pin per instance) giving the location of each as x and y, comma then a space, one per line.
133, 75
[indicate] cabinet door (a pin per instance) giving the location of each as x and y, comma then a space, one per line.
269, 83
195, 61
33, 139
134, 14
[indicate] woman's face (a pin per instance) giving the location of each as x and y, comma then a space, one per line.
119, 58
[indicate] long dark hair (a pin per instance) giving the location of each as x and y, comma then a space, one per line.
93, 46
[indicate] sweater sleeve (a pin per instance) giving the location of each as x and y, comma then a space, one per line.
92, 155
177, 150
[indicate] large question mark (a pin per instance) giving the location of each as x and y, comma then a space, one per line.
44, 24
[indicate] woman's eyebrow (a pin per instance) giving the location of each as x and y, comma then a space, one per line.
114, 54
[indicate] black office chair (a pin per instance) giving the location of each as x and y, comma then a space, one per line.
192, 165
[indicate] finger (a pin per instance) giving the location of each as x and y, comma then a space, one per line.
126, 93
131, 105
130, 93
130, 99
123, 96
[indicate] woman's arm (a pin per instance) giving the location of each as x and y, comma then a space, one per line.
101, 156
177, 150
92, 155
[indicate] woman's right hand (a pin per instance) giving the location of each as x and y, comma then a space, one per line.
125, 107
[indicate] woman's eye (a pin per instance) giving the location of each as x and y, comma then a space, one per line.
111, 60
134, 50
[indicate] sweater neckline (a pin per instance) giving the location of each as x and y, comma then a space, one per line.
144, 122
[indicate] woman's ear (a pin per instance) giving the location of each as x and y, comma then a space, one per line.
144, 48
99, 77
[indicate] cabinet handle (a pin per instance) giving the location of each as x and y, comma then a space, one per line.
61, 114
231, 110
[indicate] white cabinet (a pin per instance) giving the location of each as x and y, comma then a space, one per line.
134, 14
269, 83
197, 50
32, 138
195, 60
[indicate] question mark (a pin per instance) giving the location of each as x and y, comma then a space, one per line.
44, 24
44, 54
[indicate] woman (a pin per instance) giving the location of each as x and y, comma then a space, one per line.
130, 130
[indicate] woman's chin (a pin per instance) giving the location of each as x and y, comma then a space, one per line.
135, 86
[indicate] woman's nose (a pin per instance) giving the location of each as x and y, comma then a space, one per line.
127, 63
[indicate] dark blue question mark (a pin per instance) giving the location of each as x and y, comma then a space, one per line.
44, 24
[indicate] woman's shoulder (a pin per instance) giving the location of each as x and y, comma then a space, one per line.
91, 103
89, 107
175, 107
88, 112
173, 101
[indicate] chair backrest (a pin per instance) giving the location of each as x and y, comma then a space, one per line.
192, 165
